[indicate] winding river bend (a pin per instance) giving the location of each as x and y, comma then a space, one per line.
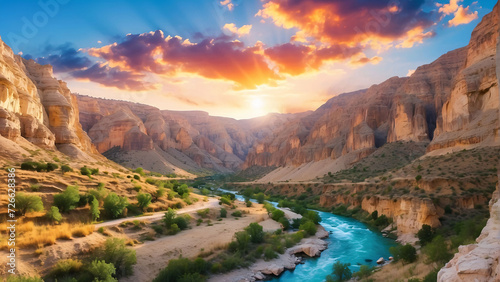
350, 241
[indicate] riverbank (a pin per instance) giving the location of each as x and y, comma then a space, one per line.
260, 270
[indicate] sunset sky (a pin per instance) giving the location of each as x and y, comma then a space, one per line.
235, 58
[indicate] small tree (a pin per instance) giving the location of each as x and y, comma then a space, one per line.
144, 200
115, 205
425, 234
67, 200
418, 177
375, 215
243, 241
183, 190
94, 209
309, 227
406, 253
256, 232
437, 250
53, 214
139, 170
313, 216
102, 271
341, 272
28, 203
114, 251
169, 218
277, 214
260, 198
223, 212
66, 168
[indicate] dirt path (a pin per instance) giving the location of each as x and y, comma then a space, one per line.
154, 255
212, 203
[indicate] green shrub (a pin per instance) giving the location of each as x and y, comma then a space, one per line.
406, 253
382, 221
203, 213
374, 215
225, 200
35, 187
169, 218
94, 209
183, 190
313, 216
364, 271
22, 278
114, 205
183, 270
144, 200
242, 240
157, 228
99, 194
150, 181
277, 214
269, 253
437, 250
66, 267
28, 203
137, 177
256, 232
425, 234
260, 198
341, 272
285, 223
174, 229
182, 222
223, 212
52, 166
102, 271
418, 177
85, 171
432, 276
66, 168
53, 214
205, 191
309, 227
114, 251
140, 171
237, 214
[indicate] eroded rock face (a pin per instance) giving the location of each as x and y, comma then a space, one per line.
216, 143
478, 262
470, 115
36, 106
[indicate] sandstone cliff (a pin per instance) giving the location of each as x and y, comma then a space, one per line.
478, 262
191, 141
39, 108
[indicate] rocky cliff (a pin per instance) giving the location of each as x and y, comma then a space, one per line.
478, 262
38, 108
192, 141
450, 102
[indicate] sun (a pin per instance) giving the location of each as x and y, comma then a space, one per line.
257, 103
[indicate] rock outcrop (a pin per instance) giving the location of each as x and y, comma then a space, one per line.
478, 262
191, 140
39, 108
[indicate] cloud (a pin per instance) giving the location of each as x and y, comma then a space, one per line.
244, 30
63, 58
228, 3
214, 58
363, 60
449, 8
414, 36
373, 24
113, 77
462, 16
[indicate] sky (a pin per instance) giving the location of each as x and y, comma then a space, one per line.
235, 58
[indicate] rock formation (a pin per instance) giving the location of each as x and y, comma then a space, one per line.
478, 262
39, 108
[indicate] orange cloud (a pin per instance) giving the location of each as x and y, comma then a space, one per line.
414, 36
374, 24
450, 8
462, 16
244, 30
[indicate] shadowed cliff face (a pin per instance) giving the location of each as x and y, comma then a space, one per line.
39, 108
214, 143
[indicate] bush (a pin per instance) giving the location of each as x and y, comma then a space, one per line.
223, 212
102, 271
203, 213
137, 177
425, 234
269, 253
256, 232
85, 171
406, 253
341, 272
225, 200
28, 203
114, 205
277, 214
183, 190
114, 251
242, 241
169, 218
184, 270
66, 168
437, 250
382, 221
237, 214
418, 177
144, 200
364, 271
65, 267
20, 278
182, 222
285, 223
374, 215
53, 214
309, 227
68, 199
52, 166
174, 229
432, 276
140, 171
94, 209
313, 216
260, 198
205, 191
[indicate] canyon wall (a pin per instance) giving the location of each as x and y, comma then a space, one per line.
37, 107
